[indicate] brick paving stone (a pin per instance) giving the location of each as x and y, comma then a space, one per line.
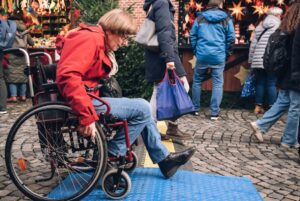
224, 147
293, 197
4, 193
11, 198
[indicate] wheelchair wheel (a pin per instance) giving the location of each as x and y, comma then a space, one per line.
130, 166
116, 185
48, 159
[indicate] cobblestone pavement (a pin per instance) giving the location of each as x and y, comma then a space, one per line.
224, 147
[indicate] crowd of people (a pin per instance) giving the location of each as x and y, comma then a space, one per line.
211, 37
12, 65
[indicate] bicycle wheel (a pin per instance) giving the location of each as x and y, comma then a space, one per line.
48, 159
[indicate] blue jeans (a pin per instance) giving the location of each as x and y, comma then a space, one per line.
14, 88
264, 80
138, 114
287, 100
200, 73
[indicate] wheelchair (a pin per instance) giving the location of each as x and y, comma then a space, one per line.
47, 159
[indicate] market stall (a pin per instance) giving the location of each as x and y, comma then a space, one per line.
246, 15
44, 18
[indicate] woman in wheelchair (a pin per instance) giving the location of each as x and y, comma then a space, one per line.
84, 60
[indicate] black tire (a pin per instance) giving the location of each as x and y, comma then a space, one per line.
116, 186
44, 142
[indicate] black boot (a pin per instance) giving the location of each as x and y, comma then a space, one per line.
170, 165
174, 133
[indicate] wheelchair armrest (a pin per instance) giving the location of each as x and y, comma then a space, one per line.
109, 118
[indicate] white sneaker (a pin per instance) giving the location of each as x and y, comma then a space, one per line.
296, 146
258, 134
214, 117
3, 111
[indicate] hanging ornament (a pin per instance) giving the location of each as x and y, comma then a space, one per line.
63, 5
10, 6
237, 10
280, 2
199, 6
45, 4
260, 9
187, 18
242, 74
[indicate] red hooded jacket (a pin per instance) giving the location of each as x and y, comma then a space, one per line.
83, 62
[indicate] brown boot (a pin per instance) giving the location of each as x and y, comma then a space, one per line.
259, 109
164, 136
174, 132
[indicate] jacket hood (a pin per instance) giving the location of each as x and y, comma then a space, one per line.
214, 15
148, 3
271, 21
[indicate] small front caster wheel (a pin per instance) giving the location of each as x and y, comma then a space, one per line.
115, 185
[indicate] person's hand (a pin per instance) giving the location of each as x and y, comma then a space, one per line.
88, 131
170, 65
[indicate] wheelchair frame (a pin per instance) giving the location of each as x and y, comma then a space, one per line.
113, 180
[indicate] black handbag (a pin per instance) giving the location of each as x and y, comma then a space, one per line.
110, 88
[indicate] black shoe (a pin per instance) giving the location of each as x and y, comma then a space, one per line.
170, 165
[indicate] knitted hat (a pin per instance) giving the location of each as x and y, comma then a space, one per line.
275, 11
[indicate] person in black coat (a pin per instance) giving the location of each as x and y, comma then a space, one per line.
289, 86
295, 67
162, 13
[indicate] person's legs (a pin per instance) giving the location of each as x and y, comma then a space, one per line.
260, 81
153, 102
272, 90
13, 92
280, 106
217, 89
3, 89
138, 114
292, 123
200, 73
22, 89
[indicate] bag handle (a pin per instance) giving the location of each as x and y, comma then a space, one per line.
167, 77
150, 8
266, 29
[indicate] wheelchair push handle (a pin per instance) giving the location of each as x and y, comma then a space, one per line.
50, 61
22, 50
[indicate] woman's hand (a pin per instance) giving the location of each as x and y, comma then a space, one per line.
170, 65
88, 131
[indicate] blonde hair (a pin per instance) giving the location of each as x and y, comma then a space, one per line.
118, 22
217, 3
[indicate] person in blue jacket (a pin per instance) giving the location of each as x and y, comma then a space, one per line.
211, 37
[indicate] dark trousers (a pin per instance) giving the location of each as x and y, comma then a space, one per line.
3, 89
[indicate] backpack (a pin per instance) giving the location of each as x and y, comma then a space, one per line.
276, 57
8, 30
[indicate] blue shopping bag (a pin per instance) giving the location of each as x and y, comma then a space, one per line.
249, 86
172, 100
